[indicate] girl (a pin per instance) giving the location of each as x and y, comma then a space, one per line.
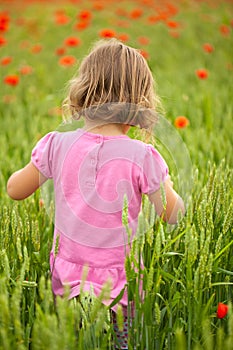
93, 168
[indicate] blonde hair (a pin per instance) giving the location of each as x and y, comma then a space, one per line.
114, 85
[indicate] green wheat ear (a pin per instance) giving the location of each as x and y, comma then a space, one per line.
163, 194
228, 220
120, 318
5, 265
125, 219
57, 245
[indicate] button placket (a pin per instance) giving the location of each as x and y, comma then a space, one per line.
99, 139
90, 181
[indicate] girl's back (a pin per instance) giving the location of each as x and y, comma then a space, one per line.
92, 173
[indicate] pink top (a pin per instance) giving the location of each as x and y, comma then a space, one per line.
91, 175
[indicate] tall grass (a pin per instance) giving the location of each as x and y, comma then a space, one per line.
175, 276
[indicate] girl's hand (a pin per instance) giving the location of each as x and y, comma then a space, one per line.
24, 182
174, 203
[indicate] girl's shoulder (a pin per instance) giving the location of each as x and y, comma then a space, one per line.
151, 154
57, 136
146, 147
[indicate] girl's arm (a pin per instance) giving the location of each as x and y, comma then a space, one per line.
174, 203
24, 182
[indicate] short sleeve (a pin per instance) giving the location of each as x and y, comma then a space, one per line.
154, 172
42, 154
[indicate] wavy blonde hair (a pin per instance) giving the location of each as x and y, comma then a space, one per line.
114, 85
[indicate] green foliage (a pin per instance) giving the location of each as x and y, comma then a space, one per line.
176, 276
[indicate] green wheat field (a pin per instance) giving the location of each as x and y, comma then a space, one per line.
188, 269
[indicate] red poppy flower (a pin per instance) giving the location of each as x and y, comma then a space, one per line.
81, 25
208, 48
4, 21
84, 15
136, 13
12, 80
163, 16
67, 61
153, 19
143, 40
61, 19
144, 53
224, 29
172, 9
173, 24
202, 73
6, 60
60, 51
4, 18
4, 27
107, 33
36, 48
98, 6
25, 70
2, 41
72, 41
123, 37
181, 122
222, 310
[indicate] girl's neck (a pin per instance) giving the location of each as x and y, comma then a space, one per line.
108, 129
